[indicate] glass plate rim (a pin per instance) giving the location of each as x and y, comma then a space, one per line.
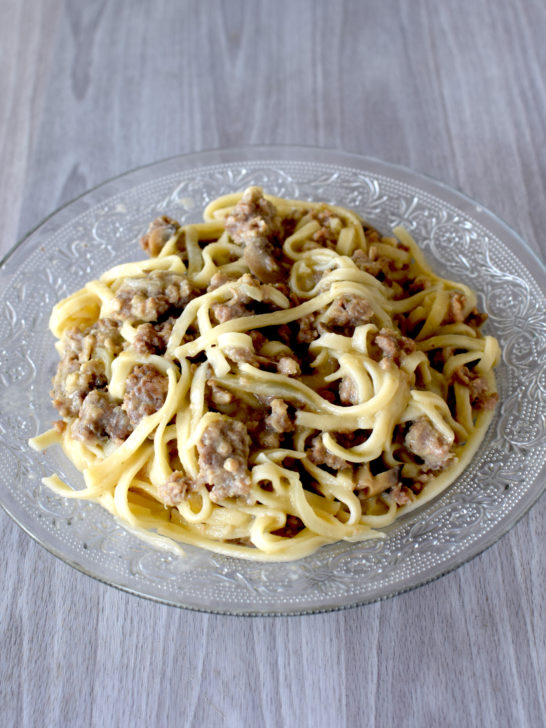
275, 149
291, 153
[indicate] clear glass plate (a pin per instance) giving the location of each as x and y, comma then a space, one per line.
100, 229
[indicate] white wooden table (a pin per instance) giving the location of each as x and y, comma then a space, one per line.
453, 89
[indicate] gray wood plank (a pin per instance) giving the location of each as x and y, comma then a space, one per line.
454, 90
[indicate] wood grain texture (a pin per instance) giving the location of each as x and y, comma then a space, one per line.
454, 90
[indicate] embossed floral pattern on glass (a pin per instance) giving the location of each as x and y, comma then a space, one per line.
101, 229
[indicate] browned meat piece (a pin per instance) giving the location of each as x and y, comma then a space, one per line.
107, 335
291, 528
268, 430
100, 418
258, 339
219, 396
319, 455
219, 278
457, 302
279, 420
325, 237
327, 394
59, 426
240, 354
284, 334
223, 459
352, 438
486, 401
372, 235
291, 220
476, 319
420, 481
420, 283
360, 257
348, 311
73, 382
427, 443
103, 334
226, 311
80, 371
145, 392
269, 440
255, 223
176, 489
159, 232
348, 393
307, 331
370, 263
393, 344
401, 494
480, 395
330, 227
253, 217
440, 357
288, 366
153, 339
148, 298
72, 341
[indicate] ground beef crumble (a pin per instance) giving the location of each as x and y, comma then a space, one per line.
392, 344
149, 298
427, 443
218, 396
319, 455
401, 494
100, 418
481, 396
104, 334
348, 392
347, 312
253, 217
378, 267
80, 369
455, 311
177, 488
291, 528
288, 366
73, 382
145, 392
307, 331
223, 458
219, 279
255, 223
475, 319
330, 227
280, 419
153, 338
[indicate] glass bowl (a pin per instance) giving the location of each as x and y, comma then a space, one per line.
100, 229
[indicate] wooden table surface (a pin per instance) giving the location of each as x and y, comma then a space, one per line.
452, 89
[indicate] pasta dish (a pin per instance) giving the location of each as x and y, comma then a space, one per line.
278, 377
